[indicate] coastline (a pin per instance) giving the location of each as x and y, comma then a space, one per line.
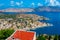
28, 21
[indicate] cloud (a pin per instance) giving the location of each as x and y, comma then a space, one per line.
33, 4
39, 4
49, 2
52, 3
21, 2
12, 3
57, 3
17, 3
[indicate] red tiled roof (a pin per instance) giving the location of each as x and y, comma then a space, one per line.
23, 35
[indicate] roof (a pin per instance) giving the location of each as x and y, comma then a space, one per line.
23, 35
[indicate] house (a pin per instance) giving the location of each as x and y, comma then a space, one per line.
22, 35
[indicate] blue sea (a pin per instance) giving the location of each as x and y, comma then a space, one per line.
54, 19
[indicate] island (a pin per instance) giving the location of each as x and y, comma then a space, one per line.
22, 21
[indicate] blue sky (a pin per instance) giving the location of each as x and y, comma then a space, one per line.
27, 3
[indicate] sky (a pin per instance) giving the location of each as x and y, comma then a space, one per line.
27, 3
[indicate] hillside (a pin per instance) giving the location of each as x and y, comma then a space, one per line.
47, 9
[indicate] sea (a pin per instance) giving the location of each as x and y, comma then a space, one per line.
54, 19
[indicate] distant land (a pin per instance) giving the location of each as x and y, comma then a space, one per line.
17, 10
47, 9
37, 9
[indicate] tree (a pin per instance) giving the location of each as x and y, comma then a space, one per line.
5, 33
41, 38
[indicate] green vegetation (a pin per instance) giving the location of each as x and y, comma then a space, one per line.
5, 33
56, 37
41, 38
22, 22
3, 16
48, 37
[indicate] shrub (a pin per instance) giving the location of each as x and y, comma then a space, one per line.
5, 33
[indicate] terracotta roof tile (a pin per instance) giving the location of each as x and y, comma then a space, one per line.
23, 35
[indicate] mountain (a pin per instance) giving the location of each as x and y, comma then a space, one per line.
37, 9
47, 9
17, 10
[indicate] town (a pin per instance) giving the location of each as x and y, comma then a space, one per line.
22, 21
